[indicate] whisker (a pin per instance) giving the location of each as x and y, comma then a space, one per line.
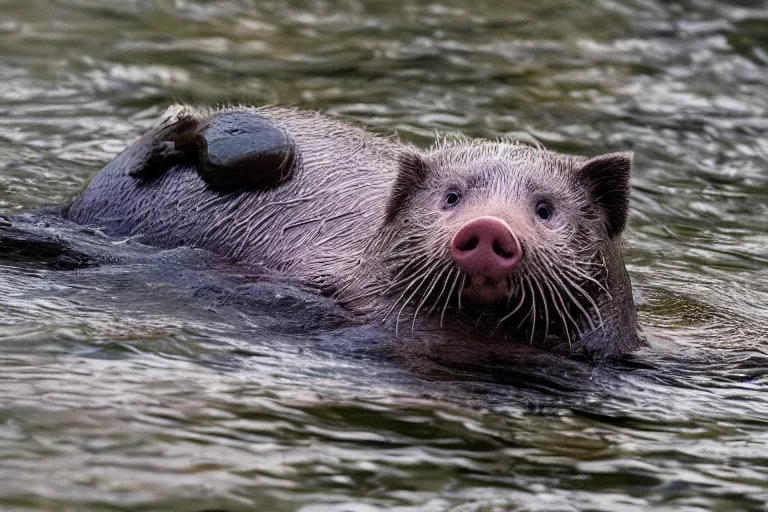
461, 289
412, 282
510, 314
395, 283
406, 302
533, 316
510, 286
448, 297
552, 291
581, 273
527, 314
591, 301
439, 296
556, 274
480, 317
546, 309
432, 285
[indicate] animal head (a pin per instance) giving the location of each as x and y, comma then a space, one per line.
508, 231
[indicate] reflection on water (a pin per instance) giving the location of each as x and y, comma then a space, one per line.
124, 387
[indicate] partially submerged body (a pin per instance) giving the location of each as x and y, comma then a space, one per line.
497, 241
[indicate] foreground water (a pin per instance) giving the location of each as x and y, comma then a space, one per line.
144, 386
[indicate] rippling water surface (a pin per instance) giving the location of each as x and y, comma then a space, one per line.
139, 387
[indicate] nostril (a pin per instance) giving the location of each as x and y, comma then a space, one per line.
500, 251
486, 247
468, 244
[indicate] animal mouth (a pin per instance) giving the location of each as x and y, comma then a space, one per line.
484, 290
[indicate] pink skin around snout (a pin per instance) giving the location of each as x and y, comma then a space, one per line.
486, 246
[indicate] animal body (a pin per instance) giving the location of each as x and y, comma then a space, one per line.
498, 240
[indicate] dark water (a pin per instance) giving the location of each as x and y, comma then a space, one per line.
146, 386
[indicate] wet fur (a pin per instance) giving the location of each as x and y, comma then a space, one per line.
360, 220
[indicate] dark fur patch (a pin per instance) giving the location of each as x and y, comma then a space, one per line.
412, 172
161, 152
607, 178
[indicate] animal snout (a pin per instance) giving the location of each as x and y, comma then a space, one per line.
486, 246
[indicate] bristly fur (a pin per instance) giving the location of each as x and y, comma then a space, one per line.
361, 219
562, 284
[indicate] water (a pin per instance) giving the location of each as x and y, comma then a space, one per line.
146, 386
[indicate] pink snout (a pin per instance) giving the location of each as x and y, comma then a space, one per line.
486, 246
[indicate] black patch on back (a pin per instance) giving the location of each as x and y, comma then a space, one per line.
242, 149
159, 150
230, 150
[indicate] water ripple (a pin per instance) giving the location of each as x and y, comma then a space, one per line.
124, 388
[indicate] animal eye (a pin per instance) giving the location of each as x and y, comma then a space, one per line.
451, 199
544, 211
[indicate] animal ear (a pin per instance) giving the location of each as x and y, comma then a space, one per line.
607, 179
412, 171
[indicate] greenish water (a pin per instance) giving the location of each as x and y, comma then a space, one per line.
123, 391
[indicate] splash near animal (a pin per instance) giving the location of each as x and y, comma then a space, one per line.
495, 239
